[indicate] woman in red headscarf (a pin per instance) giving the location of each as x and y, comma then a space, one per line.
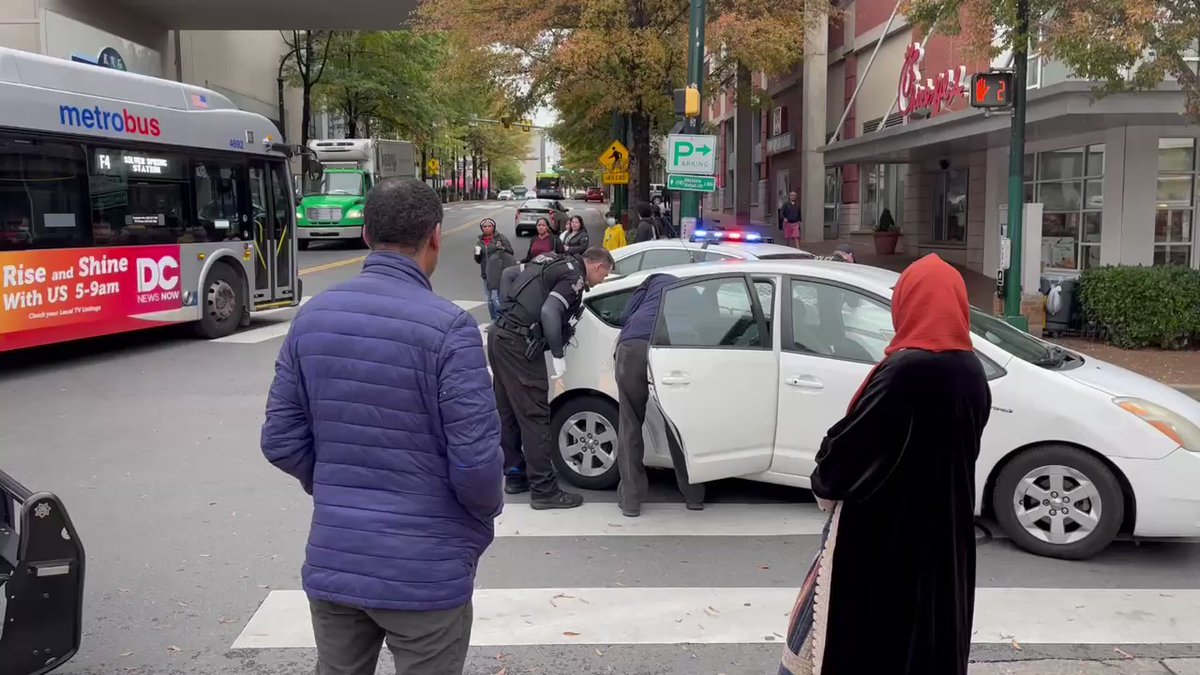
892, 590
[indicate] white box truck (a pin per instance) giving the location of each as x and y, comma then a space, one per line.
332, 206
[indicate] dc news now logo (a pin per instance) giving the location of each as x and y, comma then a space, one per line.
157, 280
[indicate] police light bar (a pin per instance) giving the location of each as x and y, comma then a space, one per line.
729, 235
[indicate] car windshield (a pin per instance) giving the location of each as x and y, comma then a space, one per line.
1021, 345
338, 184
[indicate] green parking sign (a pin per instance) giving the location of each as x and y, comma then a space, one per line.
692, 154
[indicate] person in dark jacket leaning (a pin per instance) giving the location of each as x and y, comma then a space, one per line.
646, 227
383, 409
492, 250
633, 392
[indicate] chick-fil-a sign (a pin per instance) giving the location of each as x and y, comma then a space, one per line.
934, 93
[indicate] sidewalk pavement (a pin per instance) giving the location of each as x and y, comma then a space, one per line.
1111, 667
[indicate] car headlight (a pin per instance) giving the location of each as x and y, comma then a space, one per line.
299, 212
1172, 425
355, 212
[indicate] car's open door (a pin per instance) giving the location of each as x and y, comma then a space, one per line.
714, 376
41, 580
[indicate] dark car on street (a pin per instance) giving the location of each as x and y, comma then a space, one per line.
594, 194
531, 210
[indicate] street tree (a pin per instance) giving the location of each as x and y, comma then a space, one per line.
591, 58
303, 66
506, 174
376, 81
1122, 45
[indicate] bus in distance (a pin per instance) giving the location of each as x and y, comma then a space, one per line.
548, 186
128, 202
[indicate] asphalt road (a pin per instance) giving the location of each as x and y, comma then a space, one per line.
194, 542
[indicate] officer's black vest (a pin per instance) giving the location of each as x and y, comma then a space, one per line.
523, 306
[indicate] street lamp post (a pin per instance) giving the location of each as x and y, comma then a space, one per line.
1016, 171
689, 203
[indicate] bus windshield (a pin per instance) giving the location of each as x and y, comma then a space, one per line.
548, 184
337, 183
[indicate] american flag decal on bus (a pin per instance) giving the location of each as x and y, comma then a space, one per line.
199, 101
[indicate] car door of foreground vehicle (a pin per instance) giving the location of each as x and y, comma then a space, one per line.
832, 336
713, 376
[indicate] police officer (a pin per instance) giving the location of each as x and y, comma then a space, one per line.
540, 302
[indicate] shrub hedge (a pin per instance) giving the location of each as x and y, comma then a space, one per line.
1144, 306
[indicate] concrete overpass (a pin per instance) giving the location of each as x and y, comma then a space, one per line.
267, 14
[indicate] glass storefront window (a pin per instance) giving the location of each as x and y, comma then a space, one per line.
1070, 186
1177, 187
950, 206
880, 190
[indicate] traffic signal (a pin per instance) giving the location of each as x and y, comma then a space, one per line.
992, 89
691, 102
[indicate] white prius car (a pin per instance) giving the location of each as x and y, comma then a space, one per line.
753, 361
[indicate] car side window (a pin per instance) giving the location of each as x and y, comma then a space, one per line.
628, 265
709, 313
665, 257
838, 322
610, 308
733, 301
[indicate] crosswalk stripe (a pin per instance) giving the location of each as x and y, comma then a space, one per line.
565, 616
598, 519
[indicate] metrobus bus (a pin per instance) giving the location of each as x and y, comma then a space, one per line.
128, 202
548, 186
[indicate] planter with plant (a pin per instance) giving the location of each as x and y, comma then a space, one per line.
887, 234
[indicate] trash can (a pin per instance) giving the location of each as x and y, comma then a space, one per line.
1060, 292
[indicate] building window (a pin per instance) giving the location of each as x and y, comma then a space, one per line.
880, 190
1070, 186
833, 192
1174, 217
950, 206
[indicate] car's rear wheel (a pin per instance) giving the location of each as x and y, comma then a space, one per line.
1059, 501
585, 434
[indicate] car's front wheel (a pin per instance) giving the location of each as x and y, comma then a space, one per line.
1059, 501
585, 435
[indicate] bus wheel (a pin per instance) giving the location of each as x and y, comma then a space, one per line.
221, 305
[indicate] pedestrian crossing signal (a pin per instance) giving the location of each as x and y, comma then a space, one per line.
991, 90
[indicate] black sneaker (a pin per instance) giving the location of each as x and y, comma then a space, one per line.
560, 500
515, 485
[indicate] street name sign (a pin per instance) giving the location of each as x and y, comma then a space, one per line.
692, 154
688, 183
616, 178
615, 158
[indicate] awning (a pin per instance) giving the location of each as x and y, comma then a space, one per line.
271, 14
1060, 110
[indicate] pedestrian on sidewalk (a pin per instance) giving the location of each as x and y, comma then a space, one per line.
898, 564
633, 392
575, 238
647, 230
493, 252
383, 409
790, 216
614, 233
543, 242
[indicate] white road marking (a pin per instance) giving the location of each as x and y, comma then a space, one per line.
278, 329
558, 616
601, 519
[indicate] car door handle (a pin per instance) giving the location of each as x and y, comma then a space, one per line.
805, 382
675, 378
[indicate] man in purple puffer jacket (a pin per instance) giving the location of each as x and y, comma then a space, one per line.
383, 408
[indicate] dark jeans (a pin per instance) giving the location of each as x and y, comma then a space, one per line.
633, 393
522, 391
421, 643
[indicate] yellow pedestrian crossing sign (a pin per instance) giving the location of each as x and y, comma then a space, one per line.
616, 158
615, 178
433, 166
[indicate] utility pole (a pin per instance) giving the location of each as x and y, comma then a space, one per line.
1016, 171
689, 203
620, 198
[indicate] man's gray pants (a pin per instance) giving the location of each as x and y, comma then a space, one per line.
633, 393
421, 643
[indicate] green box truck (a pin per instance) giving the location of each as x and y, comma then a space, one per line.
332, 207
